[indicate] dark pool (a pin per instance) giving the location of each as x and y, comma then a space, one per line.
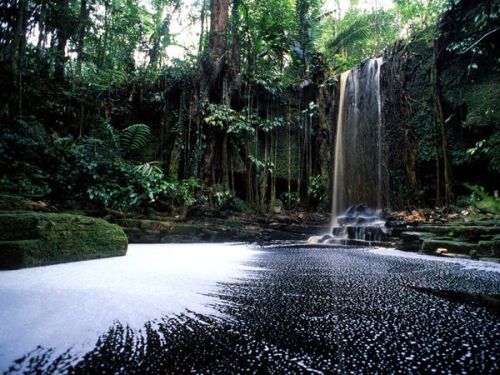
238, 309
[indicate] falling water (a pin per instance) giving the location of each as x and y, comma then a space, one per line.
358, 172
338, 171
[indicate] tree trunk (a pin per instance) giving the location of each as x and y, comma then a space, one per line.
289, 182
225, 161
62, 39
323, 141
264, 175
82, 28
211, 68
225, 142
16, 53
441, 130
104, 45
275, 163
202, 31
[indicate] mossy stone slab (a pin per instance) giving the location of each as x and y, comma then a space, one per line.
30, 239
431, 245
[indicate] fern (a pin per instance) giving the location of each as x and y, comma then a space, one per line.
107, 133
134, 138
483, 201
33, 130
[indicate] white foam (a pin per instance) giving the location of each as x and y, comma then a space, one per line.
70, 305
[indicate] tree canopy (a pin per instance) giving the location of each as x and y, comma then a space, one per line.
227, 93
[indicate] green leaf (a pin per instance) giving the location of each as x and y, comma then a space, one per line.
134, 138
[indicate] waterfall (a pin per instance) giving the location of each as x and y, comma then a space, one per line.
338, 170
358, 171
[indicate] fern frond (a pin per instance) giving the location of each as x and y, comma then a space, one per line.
32, 129
134, 138
107, 133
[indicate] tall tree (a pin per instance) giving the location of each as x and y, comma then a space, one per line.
210, 71
63, 31
81, 31
14, 20
162, 17
307, 13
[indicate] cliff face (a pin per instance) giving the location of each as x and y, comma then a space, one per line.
442, 108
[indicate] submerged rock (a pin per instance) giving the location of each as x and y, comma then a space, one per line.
30, 239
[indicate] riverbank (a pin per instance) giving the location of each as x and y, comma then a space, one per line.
468, 233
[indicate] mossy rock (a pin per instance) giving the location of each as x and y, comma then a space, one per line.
14, 203
30, 239
490, 247
431, 245
473, 233
146, 224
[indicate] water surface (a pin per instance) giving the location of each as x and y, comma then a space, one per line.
236, 309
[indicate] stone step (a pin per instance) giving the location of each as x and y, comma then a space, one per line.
431, 245
460, 230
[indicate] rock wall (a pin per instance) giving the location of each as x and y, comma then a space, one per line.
459, 73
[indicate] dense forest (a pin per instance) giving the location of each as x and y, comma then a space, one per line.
232, 104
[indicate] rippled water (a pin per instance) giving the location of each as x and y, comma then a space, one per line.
227, 309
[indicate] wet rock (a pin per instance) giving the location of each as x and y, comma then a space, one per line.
12, 203
412, 241
358, 215
339, 232
490, 248
431, 245
395, 223
320, 239
367, 233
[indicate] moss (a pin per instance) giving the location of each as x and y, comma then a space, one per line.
490, 247
151, 225
33, 239
431, 245
14, 203
482, 109
472, 233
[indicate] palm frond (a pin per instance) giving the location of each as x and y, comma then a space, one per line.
357, 31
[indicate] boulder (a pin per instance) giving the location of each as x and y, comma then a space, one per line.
359, 215
30, 239
367, 233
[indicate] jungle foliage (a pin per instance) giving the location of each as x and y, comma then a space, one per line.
96, 110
